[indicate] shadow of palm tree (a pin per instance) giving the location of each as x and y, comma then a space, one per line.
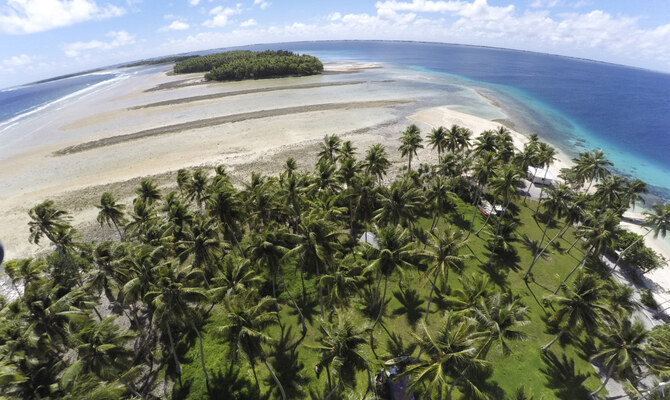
308, 306
287, 367
563, 378
230, 383
411, 305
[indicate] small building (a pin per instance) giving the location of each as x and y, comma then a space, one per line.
541, 176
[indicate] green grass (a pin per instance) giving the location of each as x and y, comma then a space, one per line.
566, 376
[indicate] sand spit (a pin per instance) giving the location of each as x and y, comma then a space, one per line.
248, 91
207, 122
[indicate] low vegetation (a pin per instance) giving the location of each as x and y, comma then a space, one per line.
267, 291
243, 64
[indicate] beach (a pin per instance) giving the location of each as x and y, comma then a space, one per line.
153, 125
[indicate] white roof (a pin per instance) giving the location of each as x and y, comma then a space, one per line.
539, 173
370, 238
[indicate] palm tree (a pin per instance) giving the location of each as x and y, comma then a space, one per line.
348, 150
101, 348
546, 155
246, 317
183, 178
591, 166
503, 185
632, 193
485, 142
473, 288
45, 220
451, 352
528, 158
198, 187
225, 205
658, 221
504, 144
393, 253
443, 255
437, 139
171, 298
440, 198
399, 204
580, 307
555, 205
484, 169
342, 284
500, 317
201, 241
599, 233
317, 246
267, 251
376, 162
110, 212
610, 193
622, 348
148, 191
339, 349
410, 143
330, 147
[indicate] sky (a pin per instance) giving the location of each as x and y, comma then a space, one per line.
45, 38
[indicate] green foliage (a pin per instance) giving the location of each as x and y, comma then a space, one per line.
243, 64
222, 291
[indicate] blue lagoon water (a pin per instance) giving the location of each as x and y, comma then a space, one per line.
575, 104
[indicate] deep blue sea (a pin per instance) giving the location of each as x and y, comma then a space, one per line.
575, 104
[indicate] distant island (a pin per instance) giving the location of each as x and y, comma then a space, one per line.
157, 61
242, 64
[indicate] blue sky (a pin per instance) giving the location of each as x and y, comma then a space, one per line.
45, 38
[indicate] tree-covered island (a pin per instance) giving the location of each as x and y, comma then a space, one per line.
243, 64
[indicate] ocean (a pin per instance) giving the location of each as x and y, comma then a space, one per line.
574, 104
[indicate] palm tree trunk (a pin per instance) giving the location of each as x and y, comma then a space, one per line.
537, 256
174, 353
625, 250
253, 369
303, 328
488, 216
607, 378
573, 270
318, 275
279, 385
558, 336
474, 213
379, 316
430, 298
202, 354
495, 237
573, 245
330, 384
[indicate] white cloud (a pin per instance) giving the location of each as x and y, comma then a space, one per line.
248, 23
591, 33
175, 26
31, 16
220, 16
194, 2
17, 61
262, 4
118, 39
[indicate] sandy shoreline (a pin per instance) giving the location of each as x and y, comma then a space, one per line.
131, 129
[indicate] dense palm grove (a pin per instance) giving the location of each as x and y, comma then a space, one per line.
266, 291
243, 64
